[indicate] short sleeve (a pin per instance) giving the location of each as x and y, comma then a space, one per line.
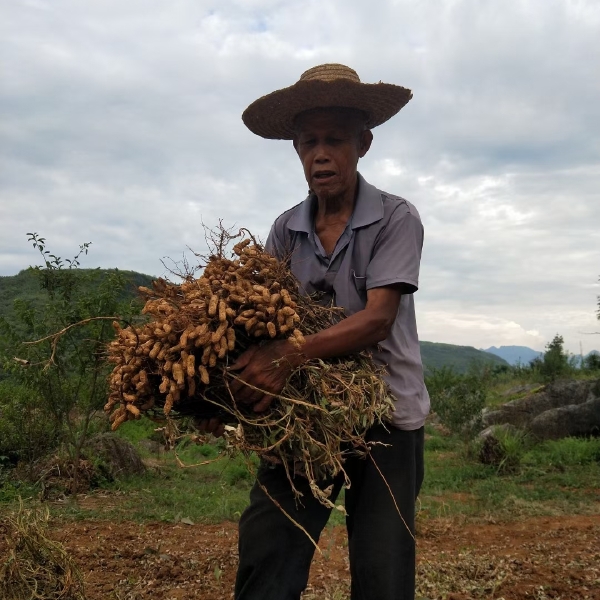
396, 254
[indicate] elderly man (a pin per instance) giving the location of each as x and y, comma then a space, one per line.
361, 247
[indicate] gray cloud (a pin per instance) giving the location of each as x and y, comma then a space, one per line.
120, 124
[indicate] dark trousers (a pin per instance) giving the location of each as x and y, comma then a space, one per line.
275, 555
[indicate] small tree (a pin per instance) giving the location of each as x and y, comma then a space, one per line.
555, 362
592, 362
62, 379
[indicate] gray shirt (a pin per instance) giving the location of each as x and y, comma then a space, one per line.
380, 246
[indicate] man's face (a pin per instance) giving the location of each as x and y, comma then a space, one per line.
329, 143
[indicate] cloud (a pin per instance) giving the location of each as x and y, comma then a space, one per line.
120, 124
475, 329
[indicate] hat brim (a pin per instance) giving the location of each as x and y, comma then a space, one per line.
272, 116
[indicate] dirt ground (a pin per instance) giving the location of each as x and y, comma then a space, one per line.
541, 558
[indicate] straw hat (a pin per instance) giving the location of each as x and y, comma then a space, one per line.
272, 116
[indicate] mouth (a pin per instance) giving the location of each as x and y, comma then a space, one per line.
323, 175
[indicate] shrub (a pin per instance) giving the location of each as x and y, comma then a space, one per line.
592, 362
555, 363
26, 433
503, 448
458, 399
58, 384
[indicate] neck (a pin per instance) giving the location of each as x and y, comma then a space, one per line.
339, 206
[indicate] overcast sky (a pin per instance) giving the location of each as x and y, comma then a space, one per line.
120, 125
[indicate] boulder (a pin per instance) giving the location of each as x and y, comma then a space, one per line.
559, 409
118, 455
519, 390
568, 421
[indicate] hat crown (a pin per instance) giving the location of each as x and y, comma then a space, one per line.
332, 84
330, 72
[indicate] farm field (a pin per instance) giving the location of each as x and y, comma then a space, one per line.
533, 558
532, 533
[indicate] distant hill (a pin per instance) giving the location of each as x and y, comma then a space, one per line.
523, 355
25, 286
460, 358
514, 355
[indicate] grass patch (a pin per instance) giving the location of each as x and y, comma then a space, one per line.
138, 430
555, 477
207, 493
12, 489
551, 478
568, 452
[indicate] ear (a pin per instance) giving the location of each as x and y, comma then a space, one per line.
366, 138
295, 143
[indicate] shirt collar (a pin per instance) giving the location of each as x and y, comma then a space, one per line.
368, 209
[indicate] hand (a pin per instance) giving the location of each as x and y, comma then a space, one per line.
266, 368
214, 426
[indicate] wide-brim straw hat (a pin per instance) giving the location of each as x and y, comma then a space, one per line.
272, 116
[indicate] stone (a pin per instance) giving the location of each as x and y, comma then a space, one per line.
568, 421
119, 455
559, 409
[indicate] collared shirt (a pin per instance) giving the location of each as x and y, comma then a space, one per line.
381, 245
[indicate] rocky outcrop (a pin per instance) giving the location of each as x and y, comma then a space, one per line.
565, 421
559, 409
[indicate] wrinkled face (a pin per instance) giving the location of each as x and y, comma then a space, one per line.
329, 143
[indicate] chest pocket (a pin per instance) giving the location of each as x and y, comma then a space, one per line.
359, 254
360, 283
362, 253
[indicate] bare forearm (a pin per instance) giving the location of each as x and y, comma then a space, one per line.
359, 331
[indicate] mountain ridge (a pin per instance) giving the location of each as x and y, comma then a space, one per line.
523, 355
514, 355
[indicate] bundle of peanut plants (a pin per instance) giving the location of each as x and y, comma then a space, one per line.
175, 364
36, 567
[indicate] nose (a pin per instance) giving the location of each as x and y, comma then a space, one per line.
321, 156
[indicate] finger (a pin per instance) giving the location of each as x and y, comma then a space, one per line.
237, 385
263, 404
240, 388
243, 359
246, 398
248, 395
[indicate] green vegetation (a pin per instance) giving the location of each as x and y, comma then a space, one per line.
550, 478
459, 399
25, 287
209, 493
458, 358
51, 390
555, 362
546, 479
55, 410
